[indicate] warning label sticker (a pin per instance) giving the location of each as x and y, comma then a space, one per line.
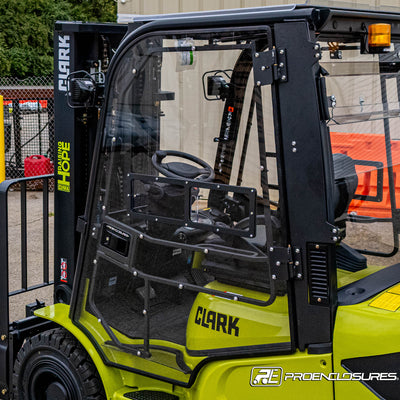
387, 301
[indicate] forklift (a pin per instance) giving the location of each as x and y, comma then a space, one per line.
226, 202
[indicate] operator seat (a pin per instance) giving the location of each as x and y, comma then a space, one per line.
346, 182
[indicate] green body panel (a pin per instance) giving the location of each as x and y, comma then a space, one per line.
230, 380
346, 277
255, 325
360, 331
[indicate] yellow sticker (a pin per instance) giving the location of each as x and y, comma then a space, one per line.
395, 289
386, 301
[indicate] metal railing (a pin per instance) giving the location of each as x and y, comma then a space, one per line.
21, 184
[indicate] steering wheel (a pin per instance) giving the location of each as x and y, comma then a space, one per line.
181, 169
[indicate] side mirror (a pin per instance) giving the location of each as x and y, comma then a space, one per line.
217, 86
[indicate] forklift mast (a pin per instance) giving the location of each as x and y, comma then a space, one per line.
77, 47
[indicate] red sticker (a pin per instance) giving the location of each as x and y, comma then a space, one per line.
64, 266
231, 109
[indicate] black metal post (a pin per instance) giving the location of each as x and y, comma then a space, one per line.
4, 305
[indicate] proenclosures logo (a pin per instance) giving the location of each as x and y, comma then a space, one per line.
274, 376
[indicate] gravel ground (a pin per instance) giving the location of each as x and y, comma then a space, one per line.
34, 250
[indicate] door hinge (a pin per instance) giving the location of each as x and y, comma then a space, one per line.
270, 66
285, 263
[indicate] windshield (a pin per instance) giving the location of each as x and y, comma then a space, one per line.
187, 203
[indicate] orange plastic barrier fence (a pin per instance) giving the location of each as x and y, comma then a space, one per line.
370, 147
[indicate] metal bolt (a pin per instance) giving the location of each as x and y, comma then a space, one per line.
334, 230
99, 321
281, 51
3, 337
299, 276
94, 261
294, 150
256, 55
319, 299
316, 47
262, 167
283, 78
114, 139
335, 239
273, 277
144, 312
251, 236
141, 236
317, 246
134, 273
4, 392
180, 286
134, 71
205, 251
236, 298
139, 353
297, 251
271, 249
263, 68
281, 65
103, 208
296, 263
258, 83
294, 143
317, 55
278, 263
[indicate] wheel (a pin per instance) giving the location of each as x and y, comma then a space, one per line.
180, 169
53, 365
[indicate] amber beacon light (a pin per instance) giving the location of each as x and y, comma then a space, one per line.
379, 37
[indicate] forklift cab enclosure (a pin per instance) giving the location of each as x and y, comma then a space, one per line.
241, 227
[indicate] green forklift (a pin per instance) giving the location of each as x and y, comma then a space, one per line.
236, 212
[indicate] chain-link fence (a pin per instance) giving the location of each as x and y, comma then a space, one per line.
28, 125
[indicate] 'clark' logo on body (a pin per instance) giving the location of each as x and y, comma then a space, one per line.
217, 321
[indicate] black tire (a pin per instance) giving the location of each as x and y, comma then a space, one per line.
54, 365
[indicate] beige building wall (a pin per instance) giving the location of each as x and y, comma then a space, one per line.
128, 8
